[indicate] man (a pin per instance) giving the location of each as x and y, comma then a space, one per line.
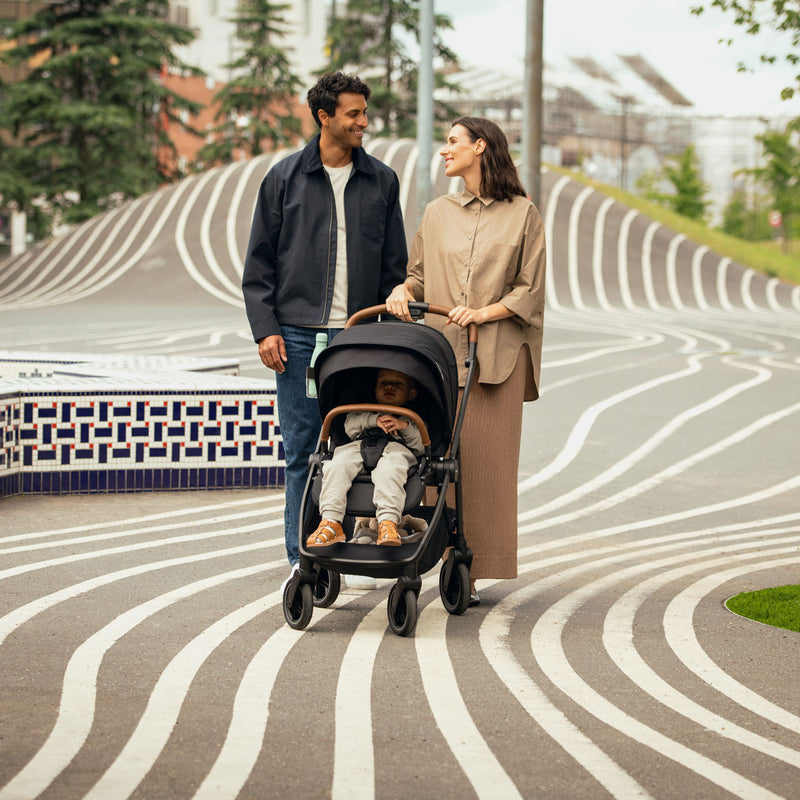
327, 240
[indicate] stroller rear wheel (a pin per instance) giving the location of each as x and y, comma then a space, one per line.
402, 610
327, 588
298, 604
455, 593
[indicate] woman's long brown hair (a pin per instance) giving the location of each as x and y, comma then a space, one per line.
499, 178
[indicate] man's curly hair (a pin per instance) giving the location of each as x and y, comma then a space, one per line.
325, 92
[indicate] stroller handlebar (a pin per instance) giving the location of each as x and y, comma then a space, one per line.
425, 308
379, 409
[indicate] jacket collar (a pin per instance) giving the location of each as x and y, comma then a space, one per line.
311, 161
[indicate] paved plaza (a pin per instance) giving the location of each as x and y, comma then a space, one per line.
143, 650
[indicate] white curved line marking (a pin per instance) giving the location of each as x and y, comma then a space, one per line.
580, 431
672, 271
647, 265
186, 258
681, 637
597, 253
479, 763
622, 260
493, 636
572, 247
245, 737
205, 235
697, 278
747, 297
76, 711
722, 287
549, 220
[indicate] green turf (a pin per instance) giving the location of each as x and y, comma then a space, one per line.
779, 607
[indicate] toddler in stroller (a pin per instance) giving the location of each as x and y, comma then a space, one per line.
382, 444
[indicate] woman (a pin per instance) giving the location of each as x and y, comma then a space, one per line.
482, 252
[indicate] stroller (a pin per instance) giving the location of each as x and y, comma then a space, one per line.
344, 374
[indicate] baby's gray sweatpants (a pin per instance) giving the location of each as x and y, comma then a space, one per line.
388, 477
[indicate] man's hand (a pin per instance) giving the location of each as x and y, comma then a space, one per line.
272, 352
391, 424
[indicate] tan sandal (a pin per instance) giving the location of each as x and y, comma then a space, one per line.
328, 532
387, 533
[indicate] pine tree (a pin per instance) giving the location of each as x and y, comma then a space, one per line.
689, 194
257, 107
89, 121
371, 37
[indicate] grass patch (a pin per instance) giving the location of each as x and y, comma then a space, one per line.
779, 607
766, 257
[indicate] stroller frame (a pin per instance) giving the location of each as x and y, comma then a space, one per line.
317, 581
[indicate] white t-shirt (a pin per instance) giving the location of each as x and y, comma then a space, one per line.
339, 177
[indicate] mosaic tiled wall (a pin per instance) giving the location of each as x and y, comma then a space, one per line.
82, 434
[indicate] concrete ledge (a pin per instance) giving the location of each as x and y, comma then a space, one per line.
86, 424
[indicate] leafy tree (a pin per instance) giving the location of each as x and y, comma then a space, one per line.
371, 37
746, 217
88, 123
257, 107
689, 191
780, 175
752, 15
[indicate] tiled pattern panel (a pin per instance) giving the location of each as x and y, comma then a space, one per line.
105, 442
9, 445
147, 430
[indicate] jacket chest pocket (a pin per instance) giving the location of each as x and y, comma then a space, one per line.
373, 221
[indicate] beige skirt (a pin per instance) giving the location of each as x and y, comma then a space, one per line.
490, 442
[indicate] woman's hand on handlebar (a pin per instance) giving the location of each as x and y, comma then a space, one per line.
397, 302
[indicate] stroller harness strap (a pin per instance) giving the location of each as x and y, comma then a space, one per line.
373, 443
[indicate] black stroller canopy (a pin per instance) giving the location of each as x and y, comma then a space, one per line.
346, 370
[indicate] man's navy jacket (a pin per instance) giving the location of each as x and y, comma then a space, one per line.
291, 257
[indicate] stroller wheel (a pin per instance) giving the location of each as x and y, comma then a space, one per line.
298, 604
402, 610
327, 588
455, 594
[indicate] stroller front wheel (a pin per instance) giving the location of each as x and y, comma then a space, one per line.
327, 588
298, 605
402, 610
455, 593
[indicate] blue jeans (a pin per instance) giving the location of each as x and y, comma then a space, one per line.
300, 423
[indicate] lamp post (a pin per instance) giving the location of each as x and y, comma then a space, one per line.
532, 100
424, 107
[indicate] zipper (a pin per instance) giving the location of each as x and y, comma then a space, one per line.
325, 308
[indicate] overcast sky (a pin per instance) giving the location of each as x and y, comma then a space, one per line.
684, 48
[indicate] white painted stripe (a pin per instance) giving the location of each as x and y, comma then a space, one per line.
672, 270
618, 636
722, 287
186, 258
494, 637
178, 512
626, 463
221, 177
647, 265
572, 247
245, 738
476, 759
697, 278
354, 766
76, 711
548, 651
597, 253
580, 431
549, 222
622, 260
102, 537
771, 291
681, 636
747, 297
